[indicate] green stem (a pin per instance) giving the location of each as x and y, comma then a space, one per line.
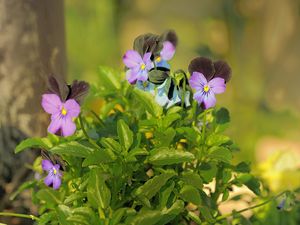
85, 133
19, 215
249, 208
98, 118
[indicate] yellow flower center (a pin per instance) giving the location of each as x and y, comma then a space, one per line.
63, 111
54, 171
158, 59
206, 88
143, 66
145, 84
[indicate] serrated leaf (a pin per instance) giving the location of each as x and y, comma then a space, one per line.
190, 194
98, 193
153, 185
192, 178
50, 196
148, 102
166, 156
220, 154
43, 143
99, 156
125, 134
72, 148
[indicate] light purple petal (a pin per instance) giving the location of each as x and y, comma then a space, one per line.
55, 124
168, 50
131, 76
209, 100
56, 182
56, 166
132, 59
199, 96
217, 85
68, 127
72, 108
48, 180
197, 81
143, 76
147, 57
51, 103
47, 165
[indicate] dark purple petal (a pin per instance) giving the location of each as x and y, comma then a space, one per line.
209, 100
47, 165
58, 86
78, 90
56, 182
55, 124
51, 103
170, 36
72, 108
131, 76
199, 96
132, 59
197, 81
68, 127
217, 85
168, 50
202, 65
49, 179
222, 70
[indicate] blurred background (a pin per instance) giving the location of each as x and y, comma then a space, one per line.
258, 38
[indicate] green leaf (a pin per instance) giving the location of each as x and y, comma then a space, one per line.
63, 212
165, 193
169, 214
153, 185
145, 217
208, 171
125, 134
47, 217
74, 197
109, 79
43, 143
166, 156
206, 213
98, 193
99, 156
117, 216
131, 157
148, 101
220, 153
250, 181
111, 144
222, 116
192, 178
165, 137
190, 134
217, 140
50, 196
169, 119
242, 167
72, 148
190, 194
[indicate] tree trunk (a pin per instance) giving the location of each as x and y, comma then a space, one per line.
31, 47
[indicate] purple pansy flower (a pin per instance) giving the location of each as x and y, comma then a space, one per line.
208, 78
166, 54
62, 114
206, 90
54, 175
138, 66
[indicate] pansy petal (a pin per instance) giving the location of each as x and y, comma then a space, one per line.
168, 51
202, 65
170, 36
131, 76
57, 167
55, 124
147, 57
197, 81
199, 96
72, 108
175, 99
217, 85
48, 180
222, 70
209, 100
132, 58
56, 182
51, 103
163, 64
47, 165
68, 127
143, 76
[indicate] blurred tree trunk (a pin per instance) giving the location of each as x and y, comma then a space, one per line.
31, 47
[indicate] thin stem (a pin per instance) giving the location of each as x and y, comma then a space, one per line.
19, 215
85, 133
98, 118
249, 208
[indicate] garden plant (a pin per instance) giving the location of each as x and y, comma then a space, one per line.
155, 152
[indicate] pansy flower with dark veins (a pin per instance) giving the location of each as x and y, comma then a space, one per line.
208, 78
